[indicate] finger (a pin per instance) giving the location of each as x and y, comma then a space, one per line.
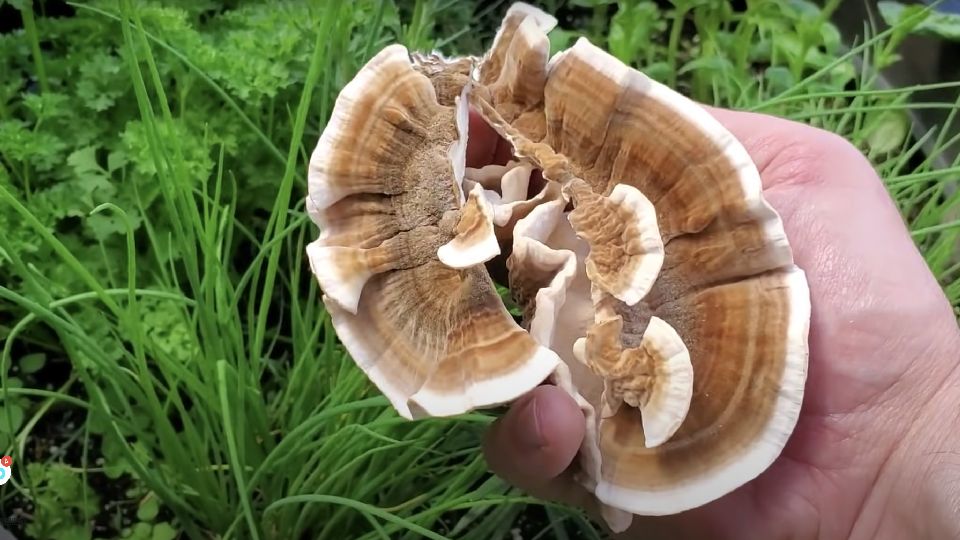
790, 152
537, 439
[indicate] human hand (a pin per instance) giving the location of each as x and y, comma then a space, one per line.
869, 457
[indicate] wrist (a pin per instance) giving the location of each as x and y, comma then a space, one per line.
917, 493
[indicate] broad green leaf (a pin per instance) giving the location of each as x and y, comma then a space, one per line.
84, 162
710, 64
918, 20
887, 131
561, 39
148, 509
778, 79
894, 13
903, 18
804, 8
15, 421
941, 24
140, 531
658, 71
31, 363
115, 470
831, 38
163, 531
71, 531
116, 160
842, 74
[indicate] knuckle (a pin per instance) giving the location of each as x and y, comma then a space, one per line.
810, 155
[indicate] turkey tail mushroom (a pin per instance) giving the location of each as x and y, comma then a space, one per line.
657, 286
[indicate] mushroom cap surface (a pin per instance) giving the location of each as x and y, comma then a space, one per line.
657, 285
725, 304
401, 249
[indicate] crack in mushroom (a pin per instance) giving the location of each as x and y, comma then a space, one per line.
657, 286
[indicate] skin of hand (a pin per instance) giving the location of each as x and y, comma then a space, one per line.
876, 450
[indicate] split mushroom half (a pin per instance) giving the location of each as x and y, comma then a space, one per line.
657, 286
401, 252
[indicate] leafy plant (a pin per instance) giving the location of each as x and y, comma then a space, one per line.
922, 20
61, 505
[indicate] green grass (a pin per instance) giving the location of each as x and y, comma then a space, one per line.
167, 365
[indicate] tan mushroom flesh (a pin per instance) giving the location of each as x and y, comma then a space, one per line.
697, 384
657, 286
401, 250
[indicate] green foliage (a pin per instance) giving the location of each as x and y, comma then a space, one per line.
153, 285
62, 503
731, 59
922, 20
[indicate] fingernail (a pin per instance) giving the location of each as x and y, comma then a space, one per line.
529, 433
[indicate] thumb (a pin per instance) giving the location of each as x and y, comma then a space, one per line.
534, 446
536, 441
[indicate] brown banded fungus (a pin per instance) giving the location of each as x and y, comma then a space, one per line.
401, 252
657, 286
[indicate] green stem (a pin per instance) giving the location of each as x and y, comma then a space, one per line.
797, 62
30, 25
936, 228
706, 27
674, 43
26, 183
598, 21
